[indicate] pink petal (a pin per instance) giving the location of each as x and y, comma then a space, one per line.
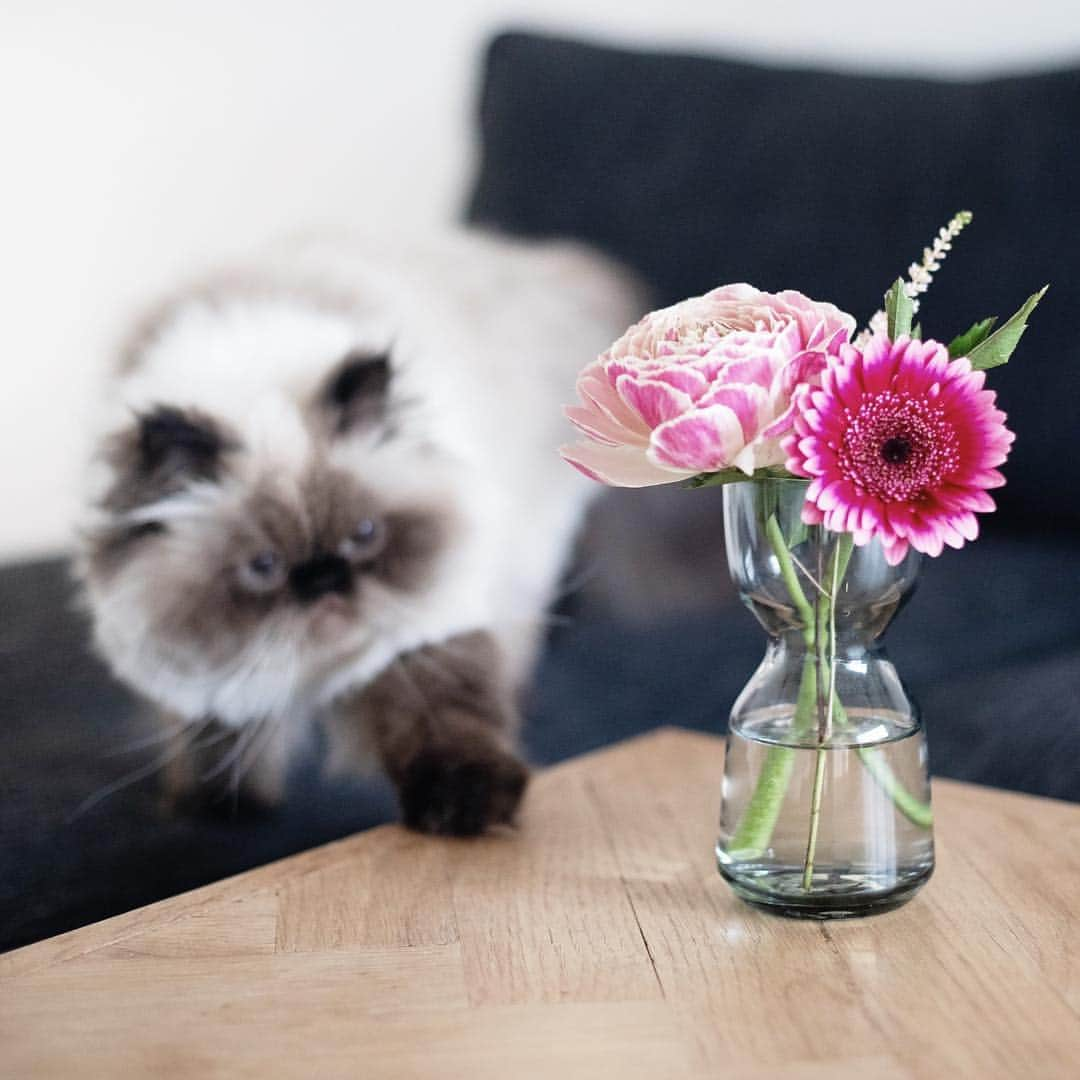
655, 402
801, 369
683, 377
895, 549
595, 424
620, 466
746, 402
595, 390
756, 369
701, 441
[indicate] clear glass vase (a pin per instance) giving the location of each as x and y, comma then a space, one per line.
826, 808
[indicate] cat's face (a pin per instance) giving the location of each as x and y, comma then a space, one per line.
252, 544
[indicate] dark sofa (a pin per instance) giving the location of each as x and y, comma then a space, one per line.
695, 171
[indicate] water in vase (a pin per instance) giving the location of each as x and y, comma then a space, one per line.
873, 844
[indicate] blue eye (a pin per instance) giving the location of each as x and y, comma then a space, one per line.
263, 572
366, 531
364, 542
264, 564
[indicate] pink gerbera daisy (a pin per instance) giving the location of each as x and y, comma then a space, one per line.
899, 442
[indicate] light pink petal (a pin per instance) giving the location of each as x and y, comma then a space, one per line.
800, 370
683, 377
757, 369
702, 441
619, 466
595, 424
654, 401
595, 390
895, 549
746, 402
782, 424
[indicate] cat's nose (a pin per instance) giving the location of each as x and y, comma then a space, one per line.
320, 575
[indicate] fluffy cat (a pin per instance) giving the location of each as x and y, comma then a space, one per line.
328, 489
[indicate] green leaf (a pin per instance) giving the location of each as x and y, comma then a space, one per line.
965, 342
916, 332
798, 534
998, 347
734, 476
898, 310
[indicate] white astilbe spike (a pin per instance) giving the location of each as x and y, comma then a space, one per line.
878, 324
921, 274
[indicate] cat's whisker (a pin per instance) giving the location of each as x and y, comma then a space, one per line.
156, 737
576, 581
130, 778
257, 747
243, 738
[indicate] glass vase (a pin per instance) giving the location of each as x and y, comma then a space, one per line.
826, 808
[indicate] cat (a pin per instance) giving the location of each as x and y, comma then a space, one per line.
327, 489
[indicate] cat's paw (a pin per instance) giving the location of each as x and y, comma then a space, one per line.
456, 792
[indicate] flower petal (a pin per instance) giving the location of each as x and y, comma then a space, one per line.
654, 401
620, 466
704, 440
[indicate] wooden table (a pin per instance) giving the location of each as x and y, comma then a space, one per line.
597, 941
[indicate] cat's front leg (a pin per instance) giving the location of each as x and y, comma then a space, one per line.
442, 723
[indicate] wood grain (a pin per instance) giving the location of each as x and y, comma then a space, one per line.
594, 940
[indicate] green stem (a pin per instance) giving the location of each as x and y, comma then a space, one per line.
791, 579
826, 643
756, 825
915, 810
815, 819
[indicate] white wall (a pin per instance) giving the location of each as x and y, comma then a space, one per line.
142, 139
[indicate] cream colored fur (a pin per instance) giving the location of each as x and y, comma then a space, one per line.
486, 337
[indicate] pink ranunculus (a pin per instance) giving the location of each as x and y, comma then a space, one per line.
704, 385
901, 443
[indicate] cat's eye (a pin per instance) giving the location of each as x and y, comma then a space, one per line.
364, 542
263, 572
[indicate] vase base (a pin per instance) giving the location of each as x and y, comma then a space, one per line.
832, 895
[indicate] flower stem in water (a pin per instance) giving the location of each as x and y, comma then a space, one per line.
815, 819
826, 641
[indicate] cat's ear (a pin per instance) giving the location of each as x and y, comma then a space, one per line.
356, 391
179, 443
165, 449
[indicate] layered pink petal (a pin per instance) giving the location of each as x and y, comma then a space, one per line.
704, 384
654, 401
620, 466
705, 440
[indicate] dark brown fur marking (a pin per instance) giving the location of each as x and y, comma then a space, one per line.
356, 392
161, 453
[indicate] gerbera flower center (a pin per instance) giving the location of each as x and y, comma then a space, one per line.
896, 450
898, 447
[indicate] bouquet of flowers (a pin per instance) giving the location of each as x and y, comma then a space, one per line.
898, 442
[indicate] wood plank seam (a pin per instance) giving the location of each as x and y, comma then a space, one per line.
590, 791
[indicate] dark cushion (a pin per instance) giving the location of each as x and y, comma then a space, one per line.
700, 171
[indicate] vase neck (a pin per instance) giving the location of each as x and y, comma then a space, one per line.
850, 643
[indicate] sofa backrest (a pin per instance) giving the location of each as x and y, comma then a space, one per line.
697, 171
